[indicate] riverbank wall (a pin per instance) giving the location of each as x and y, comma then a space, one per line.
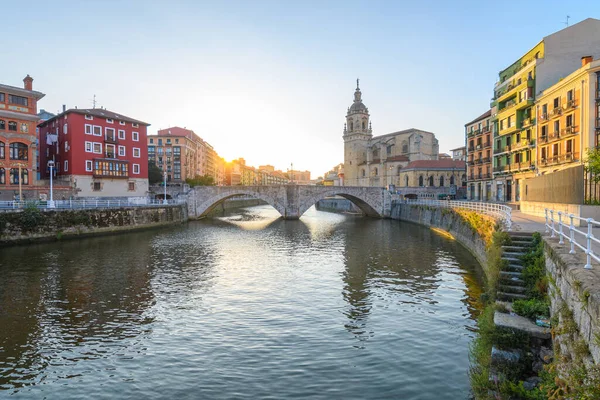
32, 225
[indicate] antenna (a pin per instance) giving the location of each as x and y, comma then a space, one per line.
94, 102
567, 22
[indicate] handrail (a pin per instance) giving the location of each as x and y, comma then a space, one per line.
85, 204
588, 237
498, 211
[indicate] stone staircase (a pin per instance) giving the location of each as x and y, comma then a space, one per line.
511, 285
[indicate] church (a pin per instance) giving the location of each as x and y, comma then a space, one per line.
378, 160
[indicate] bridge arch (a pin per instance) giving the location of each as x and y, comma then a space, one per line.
361, 198
205, 203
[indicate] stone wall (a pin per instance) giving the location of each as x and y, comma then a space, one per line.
564, 186
448, 221
579, 289
29, 225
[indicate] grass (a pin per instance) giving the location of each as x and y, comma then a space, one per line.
532, 308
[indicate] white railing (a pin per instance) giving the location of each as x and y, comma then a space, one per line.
86, 204
558, 221
500, 212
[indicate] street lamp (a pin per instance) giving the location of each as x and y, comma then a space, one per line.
165, 180
51, 202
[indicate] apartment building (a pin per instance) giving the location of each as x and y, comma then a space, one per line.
100, 152
18, 142
568, 115
479, 157
175, 150
513, 111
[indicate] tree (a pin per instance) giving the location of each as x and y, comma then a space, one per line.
154, 173
593, 164
204, 180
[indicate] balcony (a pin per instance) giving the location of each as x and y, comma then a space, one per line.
485, 129
487, 144
110, 154
471, 162
543, 139
522, 166
571, 104
501, 168
543, 117
554, 135
509, 104
569, 130
526, 123
560, 159
471, 149
478, 147
111, 139
557, 111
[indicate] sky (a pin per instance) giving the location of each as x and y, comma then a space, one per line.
271, 81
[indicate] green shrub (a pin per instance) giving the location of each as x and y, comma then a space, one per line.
532, 308
31, 217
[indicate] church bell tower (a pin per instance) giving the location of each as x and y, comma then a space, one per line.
357, 133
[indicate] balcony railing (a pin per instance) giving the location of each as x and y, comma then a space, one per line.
569, 130
507, 148
544, 117
556, 111
560, 159
471, 162
478, 147
485, 129
543, 139
501, 168
487, 144
471, 149
570, 104
598, 94
110, 154
521, 166
554, 135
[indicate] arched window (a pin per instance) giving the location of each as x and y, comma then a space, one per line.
442, 181
398, 170
363, 173
421, 180
430, 181
1, 150
452, 180
404, 147
375, 153
363, 125
389, 150
351, 126
406, 181
18, 151
2, 177
12, 126
2, 124
464, 180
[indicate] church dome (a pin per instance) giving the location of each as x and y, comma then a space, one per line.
358, 107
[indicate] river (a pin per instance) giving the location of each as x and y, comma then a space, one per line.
243, 306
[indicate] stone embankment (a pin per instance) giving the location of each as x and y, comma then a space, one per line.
33, 225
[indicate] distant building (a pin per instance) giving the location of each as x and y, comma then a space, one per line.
102, 153
459, 154
444, 156
478, 134
377, 160
18, 142
299, 177
432, 178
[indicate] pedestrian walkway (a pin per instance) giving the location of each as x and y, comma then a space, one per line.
527, 223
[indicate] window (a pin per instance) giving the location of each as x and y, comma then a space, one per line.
176, 140
363, 173
135, 136
168, 141
66, 165
442, 179
151, 140
2, 124
406, 180
570, 95
97, 186
66, 146
1, 150
569, 147
556, 102
502, 124
136, 168
569, 120
17, 100
121, 122
110, 134
89, 117
65, 129
122, 135
556, 126
97, 149
18, 151
160, 142
544, 130
389, 150
2, 176
509, 122
88, 129
136, 152
544, 153
421, 180
97, 130
14, 176
118, 169
135, 125
12, 126
121, 151
430, 181
131, 186
109, 121
88, 147
452, 180
109, 150
544, 110
88, 166
2, 97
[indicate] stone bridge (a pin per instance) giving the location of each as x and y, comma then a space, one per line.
290, 200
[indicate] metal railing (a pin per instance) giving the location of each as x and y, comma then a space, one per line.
555, 226
500, 212
85, 204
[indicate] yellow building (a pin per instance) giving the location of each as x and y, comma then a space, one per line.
568, 123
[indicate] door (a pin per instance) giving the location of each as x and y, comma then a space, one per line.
508, 191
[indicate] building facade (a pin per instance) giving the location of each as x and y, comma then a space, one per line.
18, 141
100, 152
479, 158
569, 118
433, 178
377, 160
175, 151
514, 115
459, 154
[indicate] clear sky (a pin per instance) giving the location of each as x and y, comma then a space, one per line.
271, 81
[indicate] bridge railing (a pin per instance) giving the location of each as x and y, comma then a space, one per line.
563, 225
84, 204
499, 212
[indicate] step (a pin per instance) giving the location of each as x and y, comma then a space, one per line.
511, 281
516, 322
521, 234
510, 296
512, 260
513, 268
511, 289
512, 254
516, 249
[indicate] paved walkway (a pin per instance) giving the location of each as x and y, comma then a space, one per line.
527, 223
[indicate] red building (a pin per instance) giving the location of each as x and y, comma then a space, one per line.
18, 120
101, 153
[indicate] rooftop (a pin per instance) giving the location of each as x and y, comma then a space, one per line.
101, 113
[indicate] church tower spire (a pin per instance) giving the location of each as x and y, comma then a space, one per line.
357, 118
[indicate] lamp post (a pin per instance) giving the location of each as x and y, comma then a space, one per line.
165, 181
51, 202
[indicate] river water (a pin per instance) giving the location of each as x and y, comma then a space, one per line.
244, 306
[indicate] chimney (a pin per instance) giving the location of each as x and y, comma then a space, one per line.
585, 60
28, 82
64, 107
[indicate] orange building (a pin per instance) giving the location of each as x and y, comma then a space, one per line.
18, 121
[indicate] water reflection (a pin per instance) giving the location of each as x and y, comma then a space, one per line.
247, 305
